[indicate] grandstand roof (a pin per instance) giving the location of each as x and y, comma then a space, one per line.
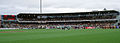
92, 12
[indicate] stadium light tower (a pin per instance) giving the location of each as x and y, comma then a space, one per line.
40, 6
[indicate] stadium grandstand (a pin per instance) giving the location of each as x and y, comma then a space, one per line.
77, 20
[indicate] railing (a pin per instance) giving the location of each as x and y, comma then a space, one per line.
70, 20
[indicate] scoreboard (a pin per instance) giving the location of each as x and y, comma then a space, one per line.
9, 17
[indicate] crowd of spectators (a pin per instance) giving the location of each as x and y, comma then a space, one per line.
59, 25
10, 25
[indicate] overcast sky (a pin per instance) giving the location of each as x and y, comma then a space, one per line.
56, 6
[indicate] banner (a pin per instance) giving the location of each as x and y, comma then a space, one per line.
9, 28
90, 27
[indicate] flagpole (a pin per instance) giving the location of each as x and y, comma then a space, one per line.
41, 6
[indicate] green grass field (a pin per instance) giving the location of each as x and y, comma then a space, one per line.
60, 36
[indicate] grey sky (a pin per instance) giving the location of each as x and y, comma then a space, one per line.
54, 6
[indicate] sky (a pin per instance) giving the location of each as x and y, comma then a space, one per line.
56, 6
